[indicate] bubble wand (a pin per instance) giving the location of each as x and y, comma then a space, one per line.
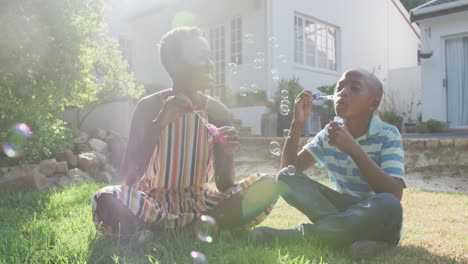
318, 96
212, 129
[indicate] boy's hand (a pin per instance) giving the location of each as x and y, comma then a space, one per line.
174, 107
231, 138
303, 106
339, 136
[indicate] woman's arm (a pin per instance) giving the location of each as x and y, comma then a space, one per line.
223, 156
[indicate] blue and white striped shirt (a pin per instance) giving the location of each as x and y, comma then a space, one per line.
382, 143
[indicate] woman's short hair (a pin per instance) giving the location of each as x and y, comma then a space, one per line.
169, 46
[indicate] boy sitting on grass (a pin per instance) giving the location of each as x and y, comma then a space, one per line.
365, 162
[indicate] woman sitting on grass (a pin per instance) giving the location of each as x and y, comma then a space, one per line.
171, 155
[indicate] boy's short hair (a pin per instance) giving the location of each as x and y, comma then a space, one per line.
169, 46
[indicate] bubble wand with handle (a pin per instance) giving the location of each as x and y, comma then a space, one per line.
212, 129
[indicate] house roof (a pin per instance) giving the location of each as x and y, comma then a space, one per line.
438, 8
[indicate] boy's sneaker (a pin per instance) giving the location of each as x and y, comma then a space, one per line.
267, 234
364, 249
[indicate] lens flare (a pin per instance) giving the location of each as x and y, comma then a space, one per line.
206, 229
183, 18
198, 257
16, 139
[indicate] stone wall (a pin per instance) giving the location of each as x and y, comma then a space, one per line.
429, 156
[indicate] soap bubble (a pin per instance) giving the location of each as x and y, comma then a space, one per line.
16, 139
257, 64
243, 91
282, 58
285, 102
284, 94
254, 88
206, 229
286, 133
275, 148
273, 41
284, 109
198, 257
260, 56
275, 75
291, 170
233, 68
249, 38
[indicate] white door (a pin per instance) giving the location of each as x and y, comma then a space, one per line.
456, 59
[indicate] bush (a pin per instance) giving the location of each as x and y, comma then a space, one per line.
391, 116
48, 137
436, 126
432, 126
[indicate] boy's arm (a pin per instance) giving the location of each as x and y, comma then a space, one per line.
302, 110
302, 160
378, 179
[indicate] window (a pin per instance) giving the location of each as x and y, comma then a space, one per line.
236, 40
217, 42
314, 43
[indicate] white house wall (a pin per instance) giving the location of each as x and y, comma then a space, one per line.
433, 69
372, 35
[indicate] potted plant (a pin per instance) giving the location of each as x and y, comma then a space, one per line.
392, 117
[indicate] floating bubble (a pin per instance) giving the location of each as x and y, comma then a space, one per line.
16, 139
257, 64
275, 148
243, 91
254, 88
286, 133
291, 170
282, 58
273, 41
275, 75
285, 102
198, 257
284, 109
249, 38
284, 94
206, 229
233, 68
260, 56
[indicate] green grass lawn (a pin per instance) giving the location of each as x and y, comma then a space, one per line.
56, 227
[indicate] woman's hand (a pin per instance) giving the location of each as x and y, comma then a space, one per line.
174, 107
339, 136
231, 138
303, 106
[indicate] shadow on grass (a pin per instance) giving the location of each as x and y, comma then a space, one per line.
416, 254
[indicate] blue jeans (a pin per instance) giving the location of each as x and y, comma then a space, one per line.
340, 219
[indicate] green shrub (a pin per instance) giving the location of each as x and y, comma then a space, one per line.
48, 137
431, 126
421, 127
391, 116
436, 126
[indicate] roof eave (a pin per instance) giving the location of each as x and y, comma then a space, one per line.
422, 12
416, 18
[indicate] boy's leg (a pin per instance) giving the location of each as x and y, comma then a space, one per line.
376, 218
313, 199
243, 207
